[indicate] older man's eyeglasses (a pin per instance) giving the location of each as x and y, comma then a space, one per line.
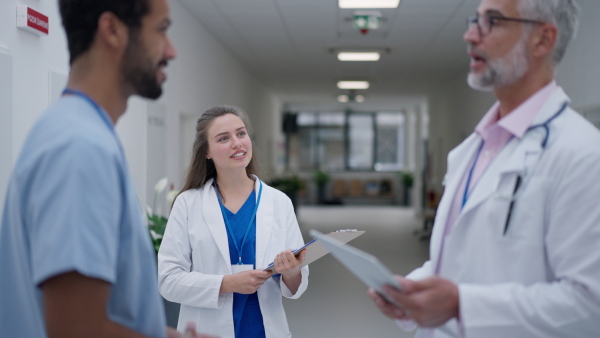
486, 22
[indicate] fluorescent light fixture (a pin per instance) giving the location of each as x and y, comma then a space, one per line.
359, 98
343, 98
353, 84
358, 56
368, 3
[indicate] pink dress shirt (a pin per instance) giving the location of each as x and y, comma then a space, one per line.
495, 134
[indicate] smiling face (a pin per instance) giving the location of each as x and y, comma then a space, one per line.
229, 145
499, 58
148, 52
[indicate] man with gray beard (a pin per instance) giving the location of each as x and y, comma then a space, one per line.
514, 246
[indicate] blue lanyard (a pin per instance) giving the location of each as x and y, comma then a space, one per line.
229, 229
466, 193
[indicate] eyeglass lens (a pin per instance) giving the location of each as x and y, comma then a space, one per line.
483, 23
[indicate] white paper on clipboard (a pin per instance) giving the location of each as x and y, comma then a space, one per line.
316, 250
362, 264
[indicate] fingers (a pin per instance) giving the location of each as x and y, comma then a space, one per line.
302, 256
190, 330
258, 277
390, 310
431, 302
286, 261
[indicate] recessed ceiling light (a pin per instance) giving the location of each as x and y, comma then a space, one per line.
368, 3
343, 98
358, 56
353, 84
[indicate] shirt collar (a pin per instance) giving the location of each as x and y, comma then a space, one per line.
518, 120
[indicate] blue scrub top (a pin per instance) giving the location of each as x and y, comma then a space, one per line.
247, 318
71, 206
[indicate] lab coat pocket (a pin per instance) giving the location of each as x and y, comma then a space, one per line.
526, 223
277, 242
501, 204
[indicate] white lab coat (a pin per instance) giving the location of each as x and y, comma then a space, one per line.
541, 278
194, 257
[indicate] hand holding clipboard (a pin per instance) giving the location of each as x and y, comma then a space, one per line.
316, 249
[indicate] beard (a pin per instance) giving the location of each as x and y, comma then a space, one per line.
139, 71
503, 71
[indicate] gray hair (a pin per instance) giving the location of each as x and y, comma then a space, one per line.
564, 14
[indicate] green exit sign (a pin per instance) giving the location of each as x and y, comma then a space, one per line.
367, 21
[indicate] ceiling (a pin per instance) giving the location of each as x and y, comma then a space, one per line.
287, 45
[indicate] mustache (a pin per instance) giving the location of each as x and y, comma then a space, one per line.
163, 63
481, 54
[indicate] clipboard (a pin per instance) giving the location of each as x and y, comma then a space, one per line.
362, 264
316, 250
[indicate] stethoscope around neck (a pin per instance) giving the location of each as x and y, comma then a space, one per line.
527, 175
546, 123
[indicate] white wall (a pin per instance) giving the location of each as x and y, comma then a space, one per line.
32, 58
203, 75
6, 108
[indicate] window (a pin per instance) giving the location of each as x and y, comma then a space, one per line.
337, 141
361, 141
390, 141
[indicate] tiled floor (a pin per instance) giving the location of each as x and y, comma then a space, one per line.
336, 304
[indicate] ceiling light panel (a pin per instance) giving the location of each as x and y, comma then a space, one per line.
343, 98
368, 3
358, 56
353, 84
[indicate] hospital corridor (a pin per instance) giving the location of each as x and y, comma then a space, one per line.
161, 159
337, 305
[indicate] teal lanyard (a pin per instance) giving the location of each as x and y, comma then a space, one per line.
228, 226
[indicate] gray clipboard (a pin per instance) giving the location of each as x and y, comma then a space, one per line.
363, 265
316, 250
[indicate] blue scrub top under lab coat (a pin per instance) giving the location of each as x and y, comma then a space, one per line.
247, 317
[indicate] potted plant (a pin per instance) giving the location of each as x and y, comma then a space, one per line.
407, 180
320, 178
290, 185
157, 223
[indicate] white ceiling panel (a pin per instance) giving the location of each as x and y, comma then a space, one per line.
288, 42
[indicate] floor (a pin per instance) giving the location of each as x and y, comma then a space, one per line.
335, 303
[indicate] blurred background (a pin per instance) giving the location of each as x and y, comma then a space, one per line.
354, 109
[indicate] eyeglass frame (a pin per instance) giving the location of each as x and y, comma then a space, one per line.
474, 19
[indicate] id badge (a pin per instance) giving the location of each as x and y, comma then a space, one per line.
235, 268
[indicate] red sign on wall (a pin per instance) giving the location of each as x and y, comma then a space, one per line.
32, 20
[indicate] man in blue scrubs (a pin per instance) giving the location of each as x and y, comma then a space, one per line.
76, 256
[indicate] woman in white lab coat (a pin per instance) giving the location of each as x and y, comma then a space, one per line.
226, 226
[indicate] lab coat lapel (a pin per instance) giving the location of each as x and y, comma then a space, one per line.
510, 159
458, 163
264, 223
517, 157
214, 220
